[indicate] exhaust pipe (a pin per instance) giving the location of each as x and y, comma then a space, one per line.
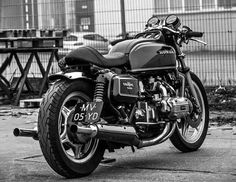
119, 133
114, 133
26, 133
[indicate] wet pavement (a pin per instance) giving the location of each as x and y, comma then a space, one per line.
21, 158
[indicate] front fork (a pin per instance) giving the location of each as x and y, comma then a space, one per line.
187, 77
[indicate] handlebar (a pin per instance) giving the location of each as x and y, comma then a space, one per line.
171, 30
190, 34
185, 34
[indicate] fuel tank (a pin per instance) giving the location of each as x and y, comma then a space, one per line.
147, 54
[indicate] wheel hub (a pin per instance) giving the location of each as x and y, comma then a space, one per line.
74, 137
194, 119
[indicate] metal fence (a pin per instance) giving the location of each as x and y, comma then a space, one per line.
215, 63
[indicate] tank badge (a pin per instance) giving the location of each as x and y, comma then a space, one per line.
165, 52
128, 85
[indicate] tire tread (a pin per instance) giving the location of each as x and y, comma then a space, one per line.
177, 140
48, 113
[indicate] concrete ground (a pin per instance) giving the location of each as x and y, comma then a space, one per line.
21, 158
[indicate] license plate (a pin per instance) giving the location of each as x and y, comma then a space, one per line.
88, 112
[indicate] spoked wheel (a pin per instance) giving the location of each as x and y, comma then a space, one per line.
69, 155
191, 132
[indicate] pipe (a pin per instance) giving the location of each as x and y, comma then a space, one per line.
157, 140
115, 133
26, 133
119, 133
169, 134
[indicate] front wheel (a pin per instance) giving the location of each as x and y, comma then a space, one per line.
66, 156
191, 132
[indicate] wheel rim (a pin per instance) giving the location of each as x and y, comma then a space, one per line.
188, 133
78, 153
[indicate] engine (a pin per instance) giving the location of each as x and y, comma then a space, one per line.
155, 100
164, 105
155, 103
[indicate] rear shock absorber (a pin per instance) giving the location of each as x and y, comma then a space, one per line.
99, 89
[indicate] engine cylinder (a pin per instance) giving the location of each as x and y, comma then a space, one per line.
180, 107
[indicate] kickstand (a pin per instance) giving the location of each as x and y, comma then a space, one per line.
106, 160
132, 148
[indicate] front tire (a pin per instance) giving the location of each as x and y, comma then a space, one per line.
187, 138
65, 156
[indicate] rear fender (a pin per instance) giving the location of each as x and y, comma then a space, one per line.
68, 76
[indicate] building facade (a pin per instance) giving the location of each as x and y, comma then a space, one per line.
21, 14
216, 18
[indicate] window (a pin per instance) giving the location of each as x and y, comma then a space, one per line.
98, 37
176, 5
192, 5
226, 4
70, 38
89, 37
85, 21
161, 6
208, 4
94, 37
173, 6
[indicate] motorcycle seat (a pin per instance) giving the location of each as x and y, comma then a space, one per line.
88, 54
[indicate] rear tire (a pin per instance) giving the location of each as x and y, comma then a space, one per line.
63, 155
180, 138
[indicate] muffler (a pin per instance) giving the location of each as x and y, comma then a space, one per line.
119, 133
113, 133
26, 133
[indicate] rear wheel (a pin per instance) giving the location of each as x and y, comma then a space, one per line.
191, 132
66, 156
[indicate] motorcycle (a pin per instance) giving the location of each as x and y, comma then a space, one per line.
140, 94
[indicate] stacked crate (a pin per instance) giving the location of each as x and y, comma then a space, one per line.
32, 38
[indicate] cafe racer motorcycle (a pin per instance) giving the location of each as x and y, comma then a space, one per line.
140, 94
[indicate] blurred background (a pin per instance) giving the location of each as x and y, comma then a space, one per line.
97, 22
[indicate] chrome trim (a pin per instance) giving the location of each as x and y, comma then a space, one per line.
121, 134
26, 133
182, 90
152, 69
190, 83
163, 90
170, 133
91, 130
154, 141
199, 41
70, 75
